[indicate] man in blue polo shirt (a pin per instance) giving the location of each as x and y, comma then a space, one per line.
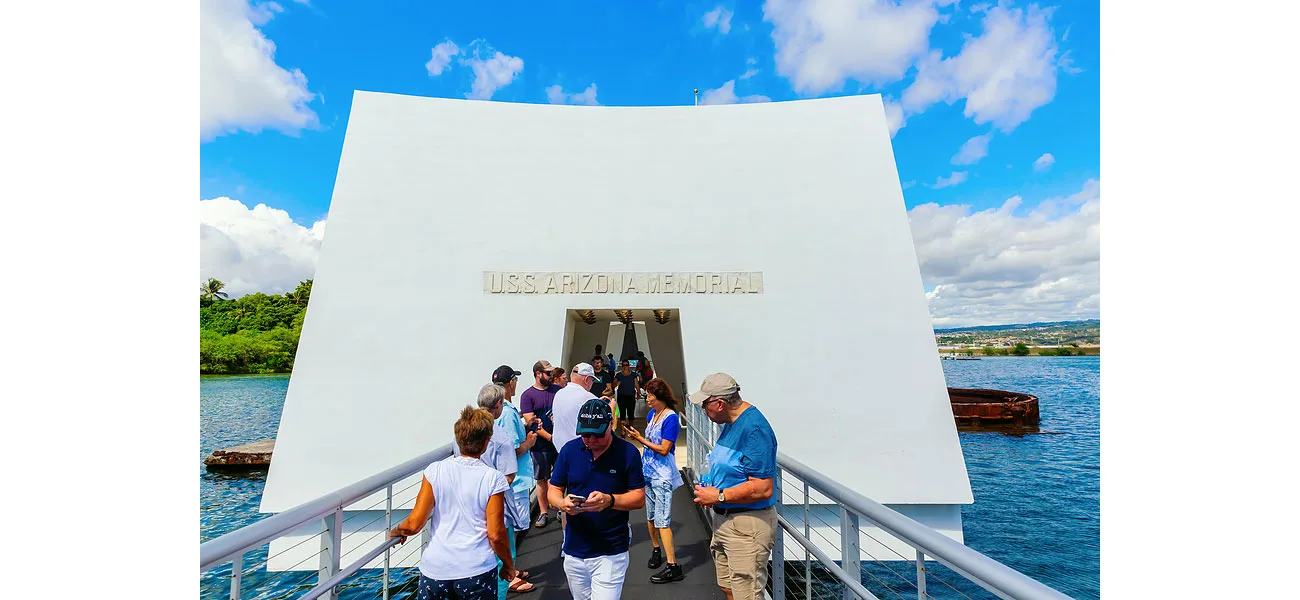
741, 478
604, 473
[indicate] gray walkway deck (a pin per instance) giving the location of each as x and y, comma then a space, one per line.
539, 553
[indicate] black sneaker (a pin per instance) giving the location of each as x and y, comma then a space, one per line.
671, 573
656, 559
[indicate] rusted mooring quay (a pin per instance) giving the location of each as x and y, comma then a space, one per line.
249, 457
991, 409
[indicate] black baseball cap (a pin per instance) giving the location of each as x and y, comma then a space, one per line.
594, 417
504, 374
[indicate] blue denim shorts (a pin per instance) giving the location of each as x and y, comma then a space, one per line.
658, 502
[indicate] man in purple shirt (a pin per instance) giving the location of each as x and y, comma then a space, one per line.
535, 404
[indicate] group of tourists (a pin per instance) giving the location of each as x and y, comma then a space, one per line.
572, 438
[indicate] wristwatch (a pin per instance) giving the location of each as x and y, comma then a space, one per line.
722, 496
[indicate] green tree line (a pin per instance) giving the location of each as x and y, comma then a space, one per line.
256, 333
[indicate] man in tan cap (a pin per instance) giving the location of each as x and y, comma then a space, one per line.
535, 404
739, 488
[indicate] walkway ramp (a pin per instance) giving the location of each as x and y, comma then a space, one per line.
539, 553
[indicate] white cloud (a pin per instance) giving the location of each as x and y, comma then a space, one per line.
894, 116
994, 267
749, 73
255, 250
949, 181
1044, 162
973, 150
493, 70
441, 57
555, 95
1003, 75
726, 94
719, 18
820, 44
241, 88
908, 184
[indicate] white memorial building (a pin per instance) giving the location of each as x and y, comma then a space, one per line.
771, 238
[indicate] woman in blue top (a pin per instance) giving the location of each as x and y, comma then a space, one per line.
659, 464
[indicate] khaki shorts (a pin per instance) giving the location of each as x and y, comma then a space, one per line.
742, 544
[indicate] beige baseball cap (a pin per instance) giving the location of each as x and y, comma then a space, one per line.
717, 384
542, 365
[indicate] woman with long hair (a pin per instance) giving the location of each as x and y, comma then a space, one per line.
466, 499
659, 465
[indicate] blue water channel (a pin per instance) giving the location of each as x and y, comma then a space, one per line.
1037, 496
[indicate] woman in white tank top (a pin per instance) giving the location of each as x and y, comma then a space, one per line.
466, 500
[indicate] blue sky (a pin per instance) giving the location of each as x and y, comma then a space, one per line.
1019, 80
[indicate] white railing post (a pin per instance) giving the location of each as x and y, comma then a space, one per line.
807, 558
236, 574
778, 556
920, 575
850, 555
388, 526
331, 542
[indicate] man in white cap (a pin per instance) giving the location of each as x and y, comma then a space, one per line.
564, 409
741, 477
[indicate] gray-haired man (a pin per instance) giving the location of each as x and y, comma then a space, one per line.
742, 473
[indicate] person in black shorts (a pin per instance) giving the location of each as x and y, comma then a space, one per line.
626, 385
535, 404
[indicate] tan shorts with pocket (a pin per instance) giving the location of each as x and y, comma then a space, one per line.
742, 544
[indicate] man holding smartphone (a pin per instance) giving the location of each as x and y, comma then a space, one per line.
596, 480
536, 404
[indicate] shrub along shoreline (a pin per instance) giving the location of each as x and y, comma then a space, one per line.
256, 333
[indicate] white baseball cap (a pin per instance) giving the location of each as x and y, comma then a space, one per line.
584, 369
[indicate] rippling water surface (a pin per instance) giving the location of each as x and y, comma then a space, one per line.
1036, 496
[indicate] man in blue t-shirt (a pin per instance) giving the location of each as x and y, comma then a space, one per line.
603, 474
739, 488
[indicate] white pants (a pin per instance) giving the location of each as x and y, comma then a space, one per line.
599, 578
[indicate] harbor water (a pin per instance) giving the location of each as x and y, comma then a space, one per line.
1037, 496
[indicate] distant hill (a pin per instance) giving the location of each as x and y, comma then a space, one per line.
1053, 334
1039, 325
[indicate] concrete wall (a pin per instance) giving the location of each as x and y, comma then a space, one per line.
401, 330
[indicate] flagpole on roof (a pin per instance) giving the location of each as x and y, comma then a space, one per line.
697, 96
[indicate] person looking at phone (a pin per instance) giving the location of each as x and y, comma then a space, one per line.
564, 412
536, 403
597, 479
466, 500
659, 465
739, 488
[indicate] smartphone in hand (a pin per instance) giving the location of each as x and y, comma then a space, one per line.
576, 499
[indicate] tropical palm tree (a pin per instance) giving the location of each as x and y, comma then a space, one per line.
301, 294
212, 289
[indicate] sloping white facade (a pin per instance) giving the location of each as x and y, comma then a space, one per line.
434, 194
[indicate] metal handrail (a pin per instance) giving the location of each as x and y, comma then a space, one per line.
986, 572
855, 586
324, 587
217, 551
